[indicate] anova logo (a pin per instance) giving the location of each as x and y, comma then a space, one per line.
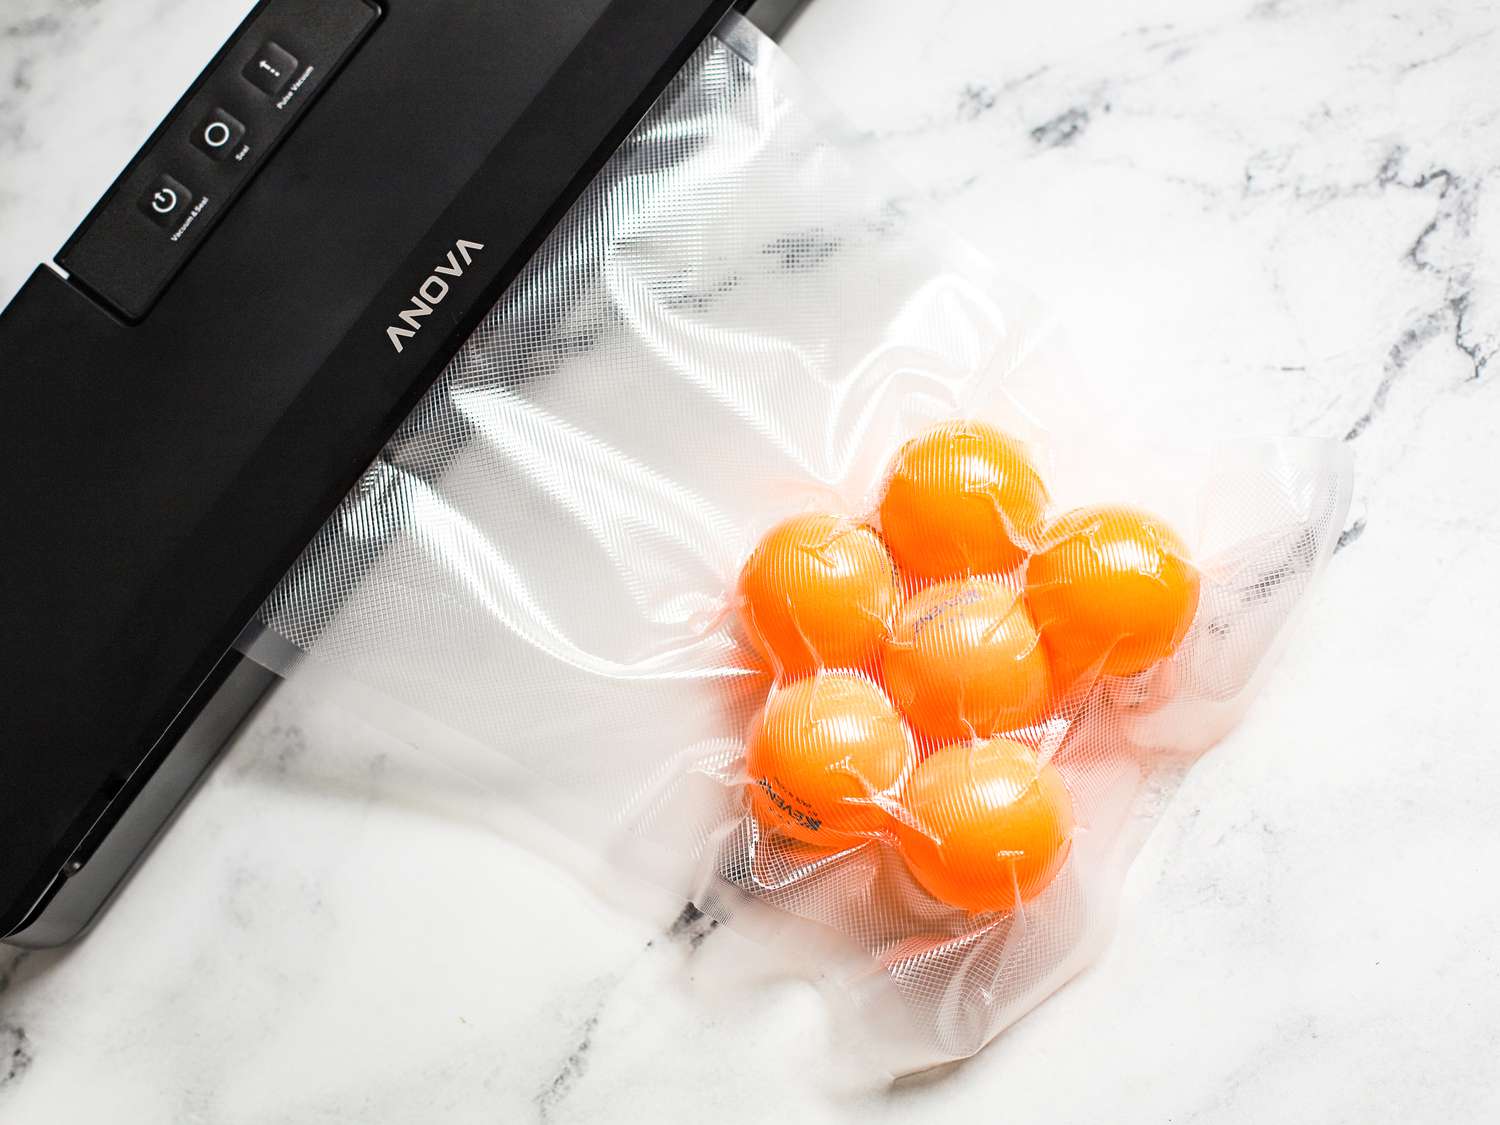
432, 291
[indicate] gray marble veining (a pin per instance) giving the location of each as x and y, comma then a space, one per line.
1252, 217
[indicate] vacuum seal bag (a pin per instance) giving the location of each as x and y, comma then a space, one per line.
759, 534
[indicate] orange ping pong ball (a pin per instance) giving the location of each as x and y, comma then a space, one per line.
963, 498
825, 757
964, 661
985, 827
817, 592
1112, 590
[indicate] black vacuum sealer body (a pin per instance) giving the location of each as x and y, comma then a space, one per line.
234, 333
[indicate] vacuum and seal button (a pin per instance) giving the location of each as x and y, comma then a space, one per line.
218, 134
271, 68
166, 201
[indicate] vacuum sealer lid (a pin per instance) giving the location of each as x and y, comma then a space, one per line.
179, 417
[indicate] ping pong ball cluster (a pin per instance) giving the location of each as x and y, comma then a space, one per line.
912, 653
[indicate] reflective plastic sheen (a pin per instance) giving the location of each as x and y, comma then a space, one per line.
550, 580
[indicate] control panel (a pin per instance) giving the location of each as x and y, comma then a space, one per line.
188, 174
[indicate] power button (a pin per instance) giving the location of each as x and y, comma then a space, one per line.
166, 201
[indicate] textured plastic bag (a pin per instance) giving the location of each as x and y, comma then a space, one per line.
738, 321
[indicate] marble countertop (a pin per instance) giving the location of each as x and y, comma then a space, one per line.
1265, 217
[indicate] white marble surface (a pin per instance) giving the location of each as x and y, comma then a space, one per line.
1258, 217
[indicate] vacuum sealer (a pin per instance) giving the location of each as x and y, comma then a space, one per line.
225, 344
